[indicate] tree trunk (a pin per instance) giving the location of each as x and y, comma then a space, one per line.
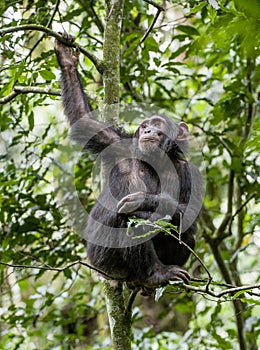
119, 314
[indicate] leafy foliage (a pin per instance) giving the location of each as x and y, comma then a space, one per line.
200, 63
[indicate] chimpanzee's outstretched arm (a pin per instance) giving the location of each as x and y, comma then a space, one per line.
77, 108
75, 100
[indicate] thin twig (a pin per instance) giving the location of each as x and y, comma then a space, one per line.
58, 269
151, 26
131, 300
224, 292
243, 205
159, 7
239, 210
191, 250
48, 26
88, 6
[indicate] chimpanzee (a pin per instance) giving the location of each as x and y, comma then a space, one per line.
148, 178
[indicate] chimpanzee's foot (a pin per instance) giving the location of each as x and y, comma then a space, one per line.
160, 277
163, 275
67, 56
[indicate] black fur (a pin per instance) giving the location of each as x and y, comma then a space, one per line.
165, 182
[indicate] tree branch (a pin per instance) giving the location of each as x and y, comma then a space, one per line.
97, 62
27, 90
231, 290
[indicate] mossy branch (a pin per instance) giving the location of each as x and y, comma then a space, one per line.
97, 62
17, 90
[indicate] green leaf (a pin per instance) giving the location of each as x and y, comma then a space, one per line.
31, 121
47, 75
217, 116
237, 294
151, 44
179, 51
188, 30
197, 8
67, 273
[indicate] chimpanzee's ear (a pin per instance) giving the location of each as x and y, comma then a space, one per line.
183, 133
136, 134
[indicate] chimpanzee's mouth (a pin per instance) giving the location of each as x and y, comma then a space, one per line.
149, 139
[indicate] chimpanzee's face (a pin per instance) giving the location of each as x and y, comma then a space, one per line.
152, 131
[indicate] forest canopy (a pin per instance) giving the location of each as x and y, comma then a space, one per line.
196, 61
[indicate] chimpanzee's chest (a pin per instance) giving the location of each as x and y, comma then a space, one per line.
133, 175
